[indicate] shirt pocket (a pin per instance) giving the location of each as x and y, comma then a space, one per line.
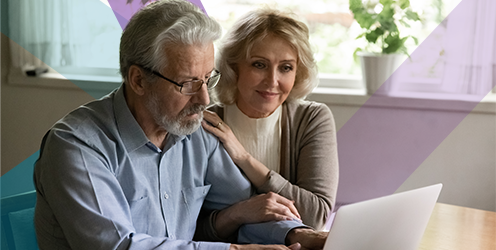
139, 206
193, 199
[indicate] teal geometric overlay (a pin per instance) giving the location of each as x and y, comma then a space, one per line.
20, 178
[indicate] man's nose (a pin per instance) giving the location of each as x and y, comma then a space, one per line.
201, 97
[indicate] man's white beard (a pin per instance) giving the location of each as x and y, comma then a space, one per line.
175, 125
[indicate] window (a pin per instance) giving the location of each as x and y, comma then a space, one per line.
82, 36
333, 31
76, 37
458, 59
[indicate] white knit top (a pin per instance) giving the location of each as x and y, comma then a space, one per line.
261, 137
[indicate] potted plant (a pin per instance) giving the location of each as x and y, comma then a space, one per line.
385, 49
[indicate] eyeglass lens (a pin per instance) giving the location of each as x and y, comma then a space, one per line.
194, 86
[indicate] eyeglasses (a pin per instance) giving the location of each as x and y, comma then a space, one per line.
192, 87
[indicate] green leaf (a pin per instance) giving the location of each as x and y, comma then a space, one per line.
373, 35
385, 18
415, 40
405, 51
387, 12
355, 56
382, 28
394, 43
404, 4
389, 25
355, 5
412, 15
391, 39
361, 35
405, 24
386, 2
366, 20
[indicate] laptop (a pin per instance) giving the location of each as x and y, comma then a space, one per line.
394, 222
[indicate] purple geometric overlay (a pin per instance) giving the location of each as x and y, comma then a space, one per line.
375, 161
124, 9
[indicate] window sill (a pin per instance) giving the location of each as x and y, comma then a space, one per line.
355, 97
66, 81
420, 101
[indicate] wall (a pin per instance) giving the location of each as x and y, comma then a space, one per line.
26, 114
465, 162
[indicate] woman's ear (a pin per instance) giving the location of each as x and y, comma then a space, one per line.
136, 79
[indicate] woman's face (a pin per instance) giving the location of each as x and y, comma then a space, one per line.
266, 77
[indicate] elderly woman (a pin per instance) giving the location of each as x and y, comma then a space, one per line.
283, 144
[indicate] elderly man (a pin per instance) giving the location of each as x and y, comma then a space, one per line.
133, 170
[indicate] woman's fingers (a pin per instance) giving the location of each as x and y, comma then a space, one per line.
279, 213
279, 205
295, 246
211, 129
215, 122
290, 205
212, 118
286, 203
262, 208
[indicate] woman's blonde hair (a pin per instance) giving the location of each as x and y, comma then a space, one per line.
254, 27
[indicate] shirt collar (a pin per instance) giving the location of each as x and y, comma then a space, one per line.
130, 131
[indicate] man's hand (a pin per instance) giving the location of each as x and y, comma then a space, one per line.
296, 246
308, 238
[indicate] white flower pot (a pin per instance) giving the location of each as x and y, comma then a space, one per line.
377, 68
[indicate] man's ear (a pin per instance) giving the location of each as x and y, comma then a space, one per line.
136, 79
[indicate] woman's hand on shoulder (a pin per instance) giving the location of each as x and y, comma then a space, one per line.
256, 172
213, 124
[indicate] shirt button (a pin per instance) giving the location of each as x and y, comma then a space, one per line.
171, 236
166, 196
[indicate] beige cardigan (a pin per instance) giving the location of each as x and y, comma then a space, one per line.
309, 160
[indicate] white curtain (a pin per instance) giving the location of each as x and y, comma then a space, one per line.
47, 29
470, 46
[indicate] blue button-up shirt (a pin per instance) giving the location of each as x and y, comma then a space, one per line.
102, 184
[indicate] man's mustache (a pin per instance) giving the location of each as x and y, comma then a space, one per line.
194, 109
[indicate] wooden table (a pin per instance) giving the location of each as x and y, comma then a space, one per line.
453, 227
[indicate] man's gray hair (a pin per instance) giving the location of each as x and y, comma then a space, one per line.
159, 25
